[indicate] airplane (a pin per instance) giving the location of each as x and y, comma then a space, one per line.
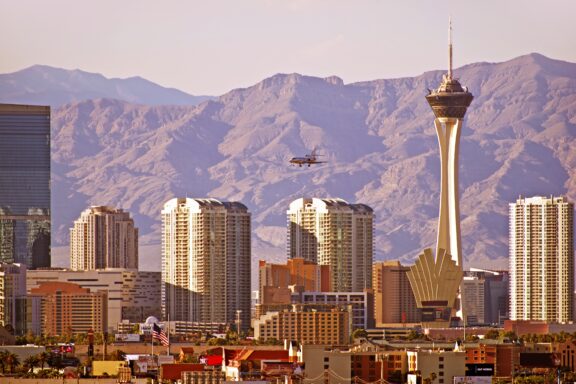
309, 159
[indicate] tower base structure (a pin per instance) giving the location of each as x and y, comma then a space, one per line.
436, 283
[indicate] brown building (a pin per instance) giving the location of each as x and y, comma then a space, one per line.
524, 327
394, 300
359, 364
507, 358
67, 308
481, 354
567, 351
275, 279
308, 326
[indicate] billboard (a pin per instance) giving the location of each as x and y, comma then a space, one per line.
127, 337
539, 359
483, 369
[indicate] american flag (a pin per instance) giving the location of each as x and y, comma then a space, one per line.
158, 333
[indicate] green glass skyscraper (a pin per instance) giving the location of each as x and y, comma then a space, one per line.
25, 185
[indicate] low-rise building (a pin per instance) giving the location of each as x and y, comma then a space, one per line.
131, 295
439, 366
69, 309
360, 305
307, 325
363, 363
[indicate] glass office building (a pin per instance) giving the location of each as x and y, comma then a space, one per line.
25, 185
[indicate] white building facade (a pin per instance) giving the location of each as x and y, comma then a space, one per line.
206, 254
103, 237
542, 259
336, 233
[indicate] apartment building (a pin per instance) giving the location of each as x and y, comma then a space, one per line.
542, 259
206, 255
103, 237
335, 233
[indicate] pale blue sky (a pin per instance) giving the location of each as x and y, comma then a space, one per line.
213, 46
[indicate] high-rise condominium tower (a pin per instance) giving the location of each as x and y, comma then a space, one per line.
336, 233
542, 259
206, 261
25, 185
103, 237
449, 103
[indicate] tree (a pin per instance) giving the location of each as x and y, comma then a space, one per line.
413, 335
492, 334
30, 362
12, 361
117, 355
43, 358
359, 332
216, 341
509, 335
3, 355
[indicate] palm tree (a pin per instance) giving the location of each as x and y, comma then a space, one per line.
12, 361
30, 362
3, 355
43, 358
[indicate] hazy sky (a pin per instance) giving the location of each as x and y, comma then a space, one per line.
213, 46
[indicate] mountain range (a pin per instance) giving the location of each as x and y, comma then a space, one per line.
45, 85
377, 137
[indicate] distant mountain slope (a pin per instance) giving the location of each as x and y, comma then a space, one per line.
378, 138
41, 84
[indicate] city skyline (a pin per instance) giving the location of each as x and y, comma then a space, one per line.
173, 209
395, 246
210, 45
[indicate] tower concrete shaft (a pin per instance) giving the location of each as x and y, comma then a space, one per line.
449, 103
448, 131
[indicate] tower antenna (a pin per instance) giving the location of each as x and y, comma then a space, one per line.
450, 47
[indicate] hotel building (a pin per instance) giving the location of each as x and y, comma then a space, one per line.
335, 233
394, 301
103, 237
68, 308
305, 324
542, 259
206, 254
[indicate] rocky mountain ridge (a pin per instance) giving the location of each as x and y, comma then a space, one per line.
45, 85
377, 136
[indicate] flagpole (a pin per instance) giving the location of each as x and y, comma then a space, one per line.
168, 336
152, 341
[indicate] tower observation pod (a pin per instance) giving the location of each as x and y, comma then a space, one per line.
436, 280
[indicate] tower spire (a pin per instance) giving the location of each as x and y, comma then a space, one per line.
450, 47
